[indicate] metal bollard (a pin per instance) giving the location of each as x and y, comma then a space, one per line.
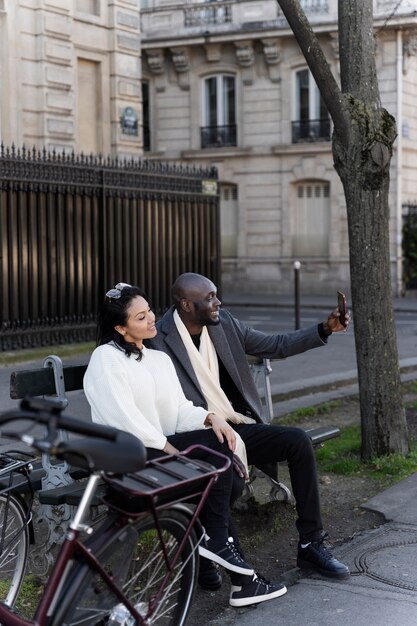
297, 267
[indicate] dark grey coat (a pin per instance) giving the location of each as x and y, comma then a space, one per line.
232, 341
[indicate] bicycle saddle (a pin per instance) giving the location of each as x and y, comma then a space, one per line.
125, 454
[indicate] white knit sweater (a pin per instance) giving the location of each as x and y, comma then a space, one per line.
142, 397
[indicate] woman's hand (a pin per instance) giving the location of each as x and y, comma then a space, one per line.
169, 449
240, 468
222, 430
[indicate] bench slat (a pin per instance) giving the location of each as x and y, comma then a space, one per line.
322, 433
41, 382
32, 382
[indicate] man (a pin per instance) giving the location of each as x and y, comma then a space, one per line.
209, 347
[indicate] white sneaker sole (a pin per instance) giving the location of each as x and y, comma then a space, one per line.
212, 556
236, 602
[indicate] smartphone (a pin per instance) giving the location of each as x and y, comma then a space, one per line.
341, 305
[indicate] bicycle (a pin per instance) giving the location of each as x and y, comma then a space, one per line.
15, 517
139, 567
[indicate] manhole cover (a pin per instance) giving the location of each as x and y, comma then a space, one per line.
388, 555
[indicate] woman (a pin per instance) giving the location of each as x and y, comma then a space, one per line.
137, 389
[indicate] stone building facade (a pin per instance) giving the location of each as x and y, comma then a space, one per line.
70, 75
225, 84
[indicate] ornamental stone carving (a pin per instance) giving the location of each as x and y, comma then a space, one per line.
244, 53
155, 60
272, 54
181, 62
180, 59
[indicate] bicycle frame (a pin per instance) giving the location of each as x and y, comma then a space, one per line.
72, 547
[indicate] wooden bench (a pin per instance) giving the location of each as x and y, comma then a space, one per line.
55, 379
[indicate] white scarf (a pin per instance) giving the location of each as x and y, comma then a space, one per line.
206, 368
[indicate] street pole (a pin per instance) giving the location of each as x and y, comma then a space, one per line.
297, 266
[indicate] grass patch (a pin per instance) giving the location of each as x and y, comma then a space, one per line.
342, 456
309, 411
29, 596
37, 354
410, 386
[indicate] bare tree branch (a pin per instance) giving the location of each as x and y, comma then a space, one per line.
316, 61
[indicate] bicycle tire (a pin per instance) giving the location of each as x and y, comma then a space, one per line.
14, 555
134, 557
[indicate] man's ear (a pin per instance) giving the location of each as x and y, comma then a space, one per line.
120, 330
185, 305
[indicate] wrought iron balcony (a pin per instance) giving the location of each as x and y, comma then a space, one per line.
315, 6
218, 136
310, 131
208, 13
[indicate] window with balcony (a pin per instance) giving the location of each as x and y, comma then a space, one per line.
312, 121
310, 218
219, 112
146, 133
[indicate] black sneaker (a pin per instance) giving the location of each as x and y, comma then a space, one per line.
209, 576
258, 590
318, 558
225, 554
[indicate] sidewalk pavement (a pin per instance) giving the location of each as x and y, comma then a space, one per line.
383, 584
382, 589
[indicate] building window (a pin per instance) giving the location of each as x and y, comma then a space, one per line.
310, 219
228, 220
219, 112
312, 122
146, 133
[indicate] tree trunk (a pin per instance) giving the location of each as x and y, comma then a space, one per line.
362, 148
363, 167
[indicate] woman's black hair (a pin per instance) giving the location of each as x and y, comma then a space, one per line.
113, 312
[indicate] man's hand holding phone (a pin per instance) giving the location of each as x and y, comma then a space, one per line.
342, 308
339, 319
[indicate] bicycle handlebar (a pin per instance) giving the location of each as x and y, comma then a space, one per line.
48, 411
104, 447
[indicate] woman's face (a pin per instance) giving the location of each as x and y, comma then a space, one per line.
140, 322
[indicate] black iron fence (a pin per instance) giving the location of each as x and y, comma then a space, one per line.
70, 227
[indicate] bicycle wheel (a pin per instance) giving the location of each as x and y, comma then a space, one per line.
14, 538
135, 559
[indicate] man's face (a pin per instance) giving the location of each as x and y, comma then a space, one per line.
206, 304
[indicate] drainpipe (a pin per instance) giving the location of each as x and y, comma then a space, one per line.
399, 216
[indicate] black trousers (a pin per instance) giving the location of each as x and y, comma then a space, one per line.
215, 513
271, 444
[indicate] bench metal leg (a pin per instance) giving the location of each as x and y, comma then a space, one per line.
278, 491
